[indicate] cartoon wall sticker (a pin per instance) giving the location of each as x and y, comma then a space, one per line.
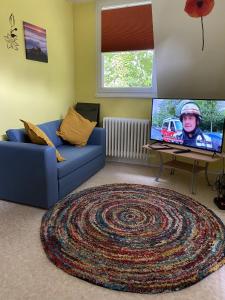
11, 37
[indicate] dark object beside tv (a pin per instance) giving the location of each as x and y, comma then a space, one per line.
220, 188
90, 111
194, 123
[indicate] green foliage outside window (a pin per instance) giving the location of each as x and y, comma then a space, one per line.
128, 69
212, 116
166, 110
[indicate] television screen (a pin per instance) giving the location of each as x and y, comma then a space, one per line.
189, 122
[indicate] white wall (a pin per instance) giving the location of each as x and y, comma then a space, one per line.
183, 70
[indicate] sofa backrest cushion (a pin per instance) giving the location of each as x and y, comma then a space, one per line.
49, 128
17, 135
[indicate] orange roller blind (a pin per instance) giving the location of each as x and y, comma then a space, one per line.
128, 28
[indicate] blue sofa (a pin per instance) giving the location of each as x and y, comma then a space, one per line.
30, 174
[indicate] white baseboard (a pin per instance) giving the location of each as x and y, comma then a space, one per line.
139, 162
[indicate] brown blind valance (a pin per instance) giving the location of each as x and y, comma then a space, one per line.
128, 28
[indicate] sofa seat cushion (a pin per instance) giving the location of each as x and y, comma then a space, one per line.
76, 157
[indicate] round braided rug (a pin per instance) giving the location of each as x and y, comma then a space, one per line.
134, 238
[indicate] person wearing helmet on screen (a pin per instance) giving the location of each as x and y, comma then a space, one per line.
192, 135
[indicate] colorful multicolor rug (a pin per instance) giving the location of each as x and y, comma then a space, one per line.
134, 238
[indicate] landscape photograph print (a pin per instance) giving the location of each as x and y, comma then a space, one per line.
35, 42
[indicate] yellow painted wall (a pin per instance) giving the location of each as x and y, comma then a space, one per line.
32, 90
85, 69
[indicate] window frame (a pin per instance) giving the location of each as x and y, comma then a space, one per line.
128, 92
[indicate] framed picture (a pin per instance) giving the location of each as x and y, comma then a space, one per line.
35, 42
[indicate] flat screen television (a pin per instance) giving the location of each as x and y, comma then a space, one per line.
194, 123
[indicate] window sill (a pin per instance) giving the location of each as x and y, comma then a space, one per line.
125, 95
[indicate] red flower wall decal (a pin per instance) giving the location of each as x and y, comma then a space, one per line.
199, 9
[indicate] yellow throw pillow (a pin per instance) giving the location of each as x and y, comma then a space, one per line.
75, 129
37, 136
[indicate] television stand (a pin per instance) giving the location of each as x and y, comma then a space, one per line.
214, 154
192, 167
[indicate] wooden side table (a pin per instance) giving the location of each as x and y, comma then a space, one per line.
193, 167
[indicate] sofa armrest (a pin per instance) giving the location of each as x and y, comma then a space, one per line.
98, 137
28, 174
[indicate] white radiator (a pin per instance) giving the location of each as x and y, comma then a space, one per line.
125, 137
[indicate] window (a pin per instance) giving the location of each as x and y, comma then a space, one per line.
172, 127
165, 125
125, 49
179, 125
